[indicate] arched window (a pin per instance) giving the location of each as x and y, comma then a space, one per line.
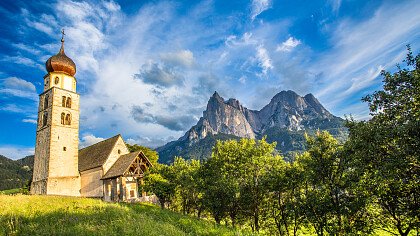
63, 101
68, 119
68, 103
57, 80
46, 101
45, 119
62, 118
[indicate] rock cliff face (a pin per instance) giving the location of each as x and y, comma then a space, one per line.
286, 115
286, 110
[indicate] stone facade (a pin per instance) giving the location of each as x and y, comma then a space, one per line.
92, 185
57, 140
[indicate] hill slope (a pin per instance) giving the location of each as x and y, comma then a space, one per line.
52, 215
15, 174
285, 120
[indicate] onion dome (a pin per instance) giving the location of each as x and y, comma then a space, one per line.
61, 62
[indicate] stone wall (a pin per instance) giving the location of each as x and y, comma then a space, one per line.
91, 183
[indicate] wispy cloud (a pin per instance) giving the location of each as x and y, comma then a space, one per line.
259, 6
363, 48
288, 45
17, 87
264, 60
32, 121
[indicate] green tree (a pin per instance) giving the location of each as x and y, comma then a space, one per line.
286, 197
188, 184
388, 147
332, 201
151, 154
235, 179
161, 181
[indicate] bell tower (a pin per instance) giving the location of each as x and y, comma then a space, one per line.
57, 135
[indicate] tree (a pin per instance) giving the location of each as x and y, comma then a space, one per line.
286, 197
332, 202
160, 181
235, 179
188, 184
151, 154
388, 147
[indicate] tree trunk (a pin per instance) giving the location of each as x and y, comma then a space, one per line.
256, 219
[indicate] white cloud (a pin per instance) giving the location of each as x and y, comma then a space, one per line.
32, 121
20, 60
181, 58
17, 87
16, 152
361, 49
89, 139
264, 59
259, 6
288, 45
17, 83
27, 48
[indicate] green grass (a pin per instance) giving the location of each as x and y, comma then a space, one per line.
53, 215
11, 191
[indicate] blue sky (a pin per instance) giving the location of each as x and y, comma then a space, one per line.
146, 69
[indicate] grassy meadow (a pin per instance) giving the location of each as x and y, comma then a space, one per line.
53, 215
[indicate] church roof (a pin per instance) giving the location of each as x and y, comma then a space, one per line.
96, 154
122, 164
61, 62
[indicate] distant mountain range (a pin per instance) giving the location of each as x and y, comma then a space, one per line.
285, 120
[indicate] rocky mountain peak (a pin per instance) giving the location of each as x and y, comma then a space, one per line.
286, 110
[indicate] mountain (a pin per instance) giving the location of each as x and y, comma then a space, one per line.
15, 174
285, 120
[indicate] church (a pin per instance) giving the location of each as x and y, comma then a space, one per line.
105, 170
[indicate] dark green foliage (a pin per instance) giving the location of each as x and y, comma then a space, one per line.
15, 174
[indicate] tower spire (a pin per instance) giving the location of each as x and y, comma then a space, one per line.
62, 42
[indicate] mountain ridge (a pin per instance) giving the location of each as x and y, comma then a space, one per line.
287, 114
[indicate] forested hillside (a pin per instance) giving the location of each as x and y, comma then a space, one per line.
15, 174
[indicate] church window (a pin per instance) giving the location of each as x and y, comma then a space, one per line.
68, 119
68, 102
119, 151
62, 118
57, 80
64, 149
63, 101
45, 119
46, 102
